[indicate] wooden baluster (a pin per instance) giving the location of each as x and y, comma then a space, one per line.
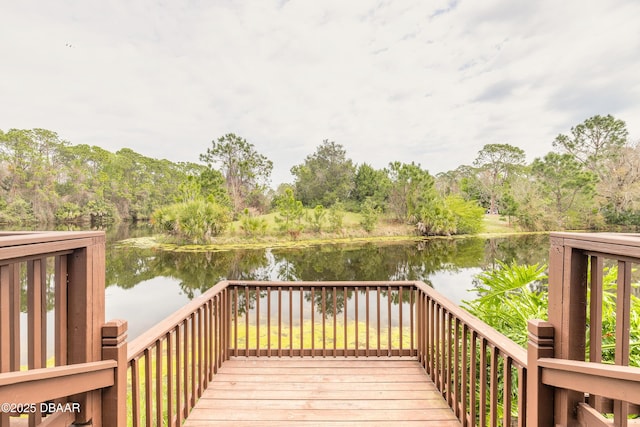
313, 322
378, 332
401, 330
335, 318
6, 326
135, 392
290, 321
170, 380
179, 367
595, 320
61, 310
258, 321
301, 322
236, 307
493, 385
356, 320
473, 379
465, 376
344, 326
367, 319
324, 322
247, 298
507, 390
268, 321
623, 310
389, 344
279, 321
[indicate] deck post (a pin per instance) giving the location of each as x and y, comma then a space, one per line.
540, 397
114, 398
568, 315
85, 314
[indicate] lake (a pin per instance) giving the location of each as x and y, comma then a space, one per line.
145, 286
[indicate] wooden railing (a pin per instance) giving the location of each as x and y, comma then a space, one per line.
327, 319
484, 377
481, 373
170, 365
569, 384
69, 375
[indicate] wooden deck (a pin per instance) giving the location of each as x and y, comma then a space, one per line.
321, 391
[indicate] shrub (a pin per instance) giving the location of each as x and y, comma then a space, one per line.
251, 225
197, 221
370, 214
315, 219
69, 212
336, 217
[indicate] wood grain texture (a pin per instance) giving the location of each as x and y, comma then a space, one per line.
323, 392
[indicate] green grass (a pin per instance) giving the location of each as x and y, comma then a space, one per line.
495, 224
292, 339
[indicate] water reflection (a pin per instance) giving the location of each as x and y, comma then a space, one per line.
145, 278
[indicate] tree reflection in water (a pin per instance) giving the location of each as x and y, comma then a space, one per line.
196, 272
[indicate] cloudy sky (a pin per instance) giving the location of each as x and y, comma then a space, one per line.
425, 81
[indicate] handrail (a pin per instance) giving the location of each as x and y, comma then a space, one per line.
579, 292
63, 271
148, 338
476, 368
296, 309
494, 338
172, 363
40, 385
609, 381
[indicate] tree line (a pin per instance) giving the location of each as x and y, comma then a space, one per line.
590, 181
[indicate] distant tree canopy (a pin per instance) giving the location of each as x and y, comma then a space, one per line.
44, 179
246, 171
496, 163
325, 177
590, 181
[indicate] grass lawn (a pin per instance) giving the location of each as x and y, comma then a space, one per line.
497, 224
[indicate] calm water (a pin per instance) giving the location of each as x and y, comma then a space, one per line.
145, 286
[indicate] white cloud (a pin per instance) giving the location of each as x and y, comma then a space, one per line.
430, 82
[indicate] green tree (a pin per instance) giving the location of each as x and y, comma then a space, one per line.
495, 163
436, 219
593, 141
336, 217
562, 178
411, 186
290, 213
371, 184
316, 218
325, 177
370, 214
468, 215
31, 168
620, 191
245, 170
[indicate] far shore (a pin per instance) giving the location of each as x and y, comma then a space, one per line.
386, 233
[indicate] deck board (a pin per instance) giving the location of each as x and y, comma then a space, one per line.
321, 391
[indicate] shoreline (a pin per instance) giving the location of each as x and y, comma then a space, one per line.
156, 243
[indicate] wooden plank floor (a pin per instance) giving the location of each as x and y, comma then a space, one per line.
321, 392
